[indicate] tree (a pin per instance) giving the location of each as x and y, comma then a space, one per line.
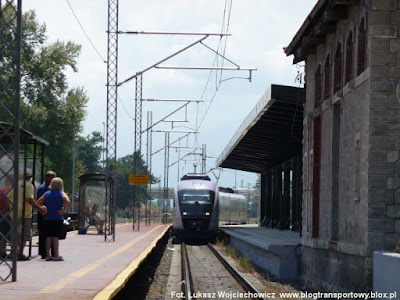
124, 190
47, 105
89, 151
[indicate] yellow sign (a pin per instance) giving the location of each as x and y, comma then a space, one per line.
139, 179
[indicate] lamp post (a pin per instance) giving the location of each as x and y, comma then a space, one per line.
73, 168
104, 134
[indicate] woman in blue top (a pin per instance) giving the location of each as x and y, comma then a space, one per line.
56, 203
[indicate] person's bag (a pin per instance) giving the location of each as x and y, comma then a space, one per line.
64, 231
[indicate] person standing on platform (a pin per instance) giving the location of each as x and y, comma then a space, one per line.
43, 188
55, 202
25, 222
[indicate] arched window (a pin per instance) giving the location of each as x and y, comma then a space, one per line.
361, 51
327, 78
337, 81
318, 87
349, 58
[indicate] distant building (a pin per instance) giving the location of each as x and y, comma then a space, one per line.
351, 142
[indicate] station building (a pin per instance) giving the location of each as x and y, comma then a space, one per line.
351, 143
330, 167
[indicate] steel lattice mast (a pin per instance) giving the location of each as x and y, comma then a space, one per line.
149, 166
10, 85
138, 145
111, 137
166, 163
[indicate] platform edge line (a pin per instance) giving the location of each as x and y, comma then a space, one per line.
110, 291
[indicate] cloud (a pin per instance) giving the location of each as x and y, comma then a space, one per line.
259, 30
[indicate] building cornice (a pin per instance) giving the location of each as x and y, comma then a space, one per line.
319, 23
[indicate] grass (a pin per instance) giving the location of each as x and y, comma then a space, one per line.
245, 264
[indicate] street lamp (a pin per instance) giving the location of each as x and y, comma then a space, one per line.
104, 149
73, 168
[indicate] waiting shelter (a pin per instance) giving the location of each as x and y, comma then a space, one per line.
15, 163
93, 207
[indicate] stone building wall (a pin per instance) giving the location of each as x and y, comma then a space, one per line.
351, 204
384, 170
335, 258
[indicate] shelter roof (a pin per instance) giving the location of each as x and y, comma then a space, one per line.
93, 177
320, 22
7, 131
271, 134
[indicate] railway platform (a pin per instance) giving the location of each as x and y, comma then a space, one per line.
278, 251
92, 268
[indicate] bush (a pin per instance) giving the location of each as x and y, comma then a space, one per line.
120, 213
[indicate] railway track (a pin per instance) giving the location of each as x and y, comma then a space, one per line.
207, 275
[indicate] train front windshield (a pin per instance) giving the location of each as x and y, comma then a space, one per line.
196, 202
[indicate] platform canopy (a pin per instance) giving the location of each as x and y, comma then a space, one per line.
271, 134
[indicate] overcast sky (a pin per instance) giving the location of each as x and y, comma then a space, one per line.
259, 30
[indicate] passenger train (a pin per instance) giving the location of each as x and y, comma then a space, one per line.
200, 206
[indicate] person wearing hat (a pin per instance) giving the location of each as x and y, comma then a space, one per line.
43, 188
25, 187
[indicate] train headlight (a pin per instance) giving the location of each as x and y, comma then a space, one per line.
184, 213
207, 213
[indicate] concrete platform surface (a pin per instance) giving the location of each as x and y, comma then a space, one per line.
263, 237
92, 268
278, 251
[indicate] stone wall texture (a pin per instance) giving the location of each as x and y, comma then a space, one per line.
366, 214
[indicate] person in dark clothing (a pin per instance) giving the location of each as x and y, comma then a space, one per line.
43, 188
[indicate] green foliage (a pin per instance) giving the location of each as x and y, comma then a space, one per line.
88, 150
47, 105
120, 213
124, 190
232, 252
246, 265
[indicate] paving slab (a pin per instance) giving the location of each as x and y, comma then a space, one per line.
92, 268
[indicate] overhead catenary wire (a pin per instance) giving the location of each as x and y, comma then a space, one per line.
84, 31
123, 105
227, 28
198, 125
228, 7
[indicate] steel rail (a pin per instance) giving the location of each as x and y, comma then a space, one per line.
187, 282
235, 273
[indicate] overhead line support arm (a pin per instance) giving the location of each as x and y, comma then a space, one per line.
165, 59
173, 33
171, 143
166, 117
